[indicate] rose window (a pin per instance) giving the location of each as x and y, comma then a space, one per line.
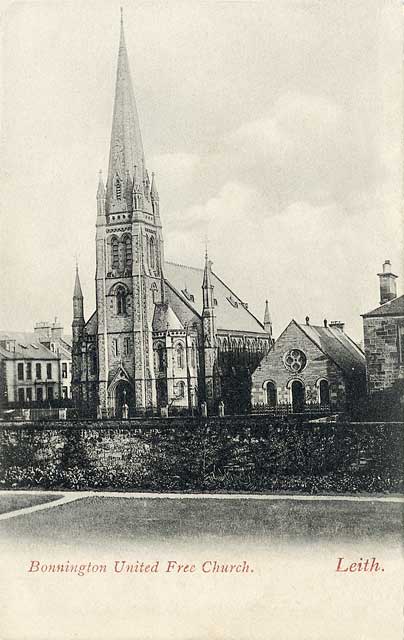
295, 360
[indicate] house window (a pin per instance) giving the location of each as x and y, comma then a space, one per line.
29, 394
38, 371
49, 370
324, 392
120, 301
50, 393
64, 369
39, 394
180, 356
126, 346
20, 371
114, 253
29, 370
21, 397
65, 393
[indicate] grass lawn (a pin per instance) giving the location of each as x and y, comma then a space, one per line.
98, 519
10, 502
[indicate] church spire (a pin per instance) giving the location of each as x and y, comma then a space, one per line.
126, 148
207, 287
77, 286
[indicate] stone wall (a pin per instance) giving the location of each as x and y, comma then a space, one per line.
253, 453
382, 350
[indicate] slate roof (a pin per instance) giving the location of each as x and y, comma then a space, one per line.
230, 312
337, 346
91, 325
26, 347
394, 307
165, 319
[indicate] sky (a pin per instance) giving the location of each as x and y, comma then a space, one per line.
274, 129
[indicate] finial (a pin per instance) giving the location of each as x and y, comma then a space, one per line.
77, 262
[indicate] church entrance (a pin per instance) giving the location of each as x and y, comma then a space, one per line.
298, 399
124, 395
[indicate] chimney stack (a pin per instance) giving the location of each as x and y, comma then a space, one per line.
337, 324
42, 331
388, 287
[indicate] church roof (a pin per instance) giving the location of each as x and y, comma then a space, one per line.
165, 319
91, 325
126, 148
335, 344
230, 312
394, 307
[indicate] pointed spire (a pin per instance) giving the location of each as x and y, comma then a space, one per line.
77, 286
267, 319
153, 190
126, 148
101, 188
207, 287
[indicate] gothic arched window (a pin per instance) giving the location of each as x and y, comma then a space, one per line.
324, 392
127, 240
152, 253
114, 253
271, 394
180, 356
121, 301
180, 389
193, 355
118, 188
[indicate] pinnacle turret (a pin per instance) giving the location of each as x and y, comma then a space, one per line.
207, 287
77, 286
267, 319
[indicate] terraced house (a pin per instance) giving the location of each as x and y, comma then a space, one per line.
35, 367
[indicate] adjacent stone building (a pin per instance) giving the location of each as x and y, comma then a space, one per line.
310, 366
162, 334
35, 368
383, 329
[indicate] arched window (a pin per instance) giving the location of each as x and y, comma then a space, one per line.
324, 392
127, 240
152, 253
272, 399
181, 389
120, 301
115, 346
93, 361
118, 188
161, 360
180, 356
114, 253
193, 355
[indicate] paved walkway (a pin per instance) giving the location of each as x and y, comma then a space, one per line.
78, 495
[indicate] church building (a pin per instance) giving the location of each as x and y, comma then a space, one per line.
163, 334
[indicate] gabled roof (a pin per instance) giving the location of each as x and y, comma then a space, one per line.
394, 307
27, 346
91, 325
335, 344
165, 319
230, 312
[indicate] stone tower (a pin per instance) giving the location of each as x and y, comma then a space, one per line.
130, 259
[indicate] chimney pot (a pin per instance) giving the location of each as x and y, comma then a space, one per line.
307, 320
325, 322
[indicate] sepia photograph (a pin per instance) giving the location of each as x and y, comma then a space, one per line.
202, 320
